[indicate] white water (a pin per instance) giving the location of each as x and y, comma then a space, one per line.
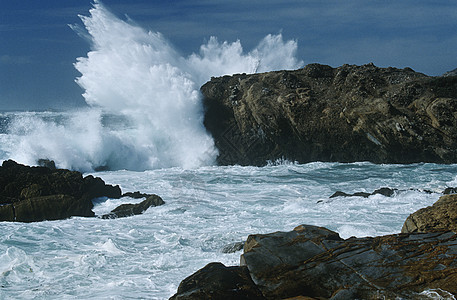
137, 78
146, 256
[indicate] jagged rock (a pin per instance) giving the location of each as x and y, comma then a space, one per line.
135, 195
450, 73
442, 215
385, 191
216, 281
315, 262
44, 162
356, 194
345, 114
53, 207
30, 194
233, 247
450, 190
127, 210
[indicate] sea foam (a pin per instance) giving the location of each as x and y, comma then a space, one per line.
139, 80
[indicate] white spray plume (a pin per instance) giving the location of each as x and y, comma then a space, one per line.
137, 76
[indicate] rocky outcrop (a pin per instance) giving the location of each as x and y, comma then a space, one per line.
315, 263
345, 114
216, 281
127, 210
385, 191
31, 194
442, 215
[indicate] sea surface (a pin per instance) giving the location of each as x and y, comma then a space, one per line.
207, 208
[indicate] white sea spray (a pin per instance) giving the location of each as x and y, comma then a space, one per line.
150, 92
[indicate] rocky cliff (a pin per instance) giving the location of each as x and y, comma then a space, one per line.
345, 114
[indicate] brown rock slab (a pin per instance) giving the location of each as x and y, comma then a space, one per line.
442, 215
314, 262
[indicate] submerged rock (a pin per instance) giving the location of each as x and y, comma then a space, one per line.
385, 191
442, 215
345, 114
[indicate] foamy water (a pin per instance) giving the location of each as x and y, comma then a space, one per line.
146, 256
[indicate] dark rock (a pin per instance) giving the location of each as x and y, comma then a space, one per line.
135, 195
233, 247
30, 194
96, 187
314, 262
216, 281
387, 192
50, 164
7, 212
53, 207
450, 190
442, 215
345, 114
356, 194
127, 210
450, 73
340, 194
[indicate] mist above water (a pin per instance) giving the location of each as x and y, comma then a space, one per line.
150, 94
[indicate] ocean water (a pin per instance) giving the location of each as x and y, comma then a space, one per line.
143, 124
207, 208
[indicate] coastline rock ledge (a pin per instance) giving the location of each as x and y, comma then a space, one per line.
345, 114
315, 263
34, 194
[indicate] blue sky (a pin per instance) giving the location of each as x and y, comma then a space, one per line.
38, 49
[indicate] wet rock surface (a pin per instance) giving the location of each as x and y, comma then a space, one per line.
345, 114
385, 191
315, 263
31, 194
442, 215
216, 281
127, 210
